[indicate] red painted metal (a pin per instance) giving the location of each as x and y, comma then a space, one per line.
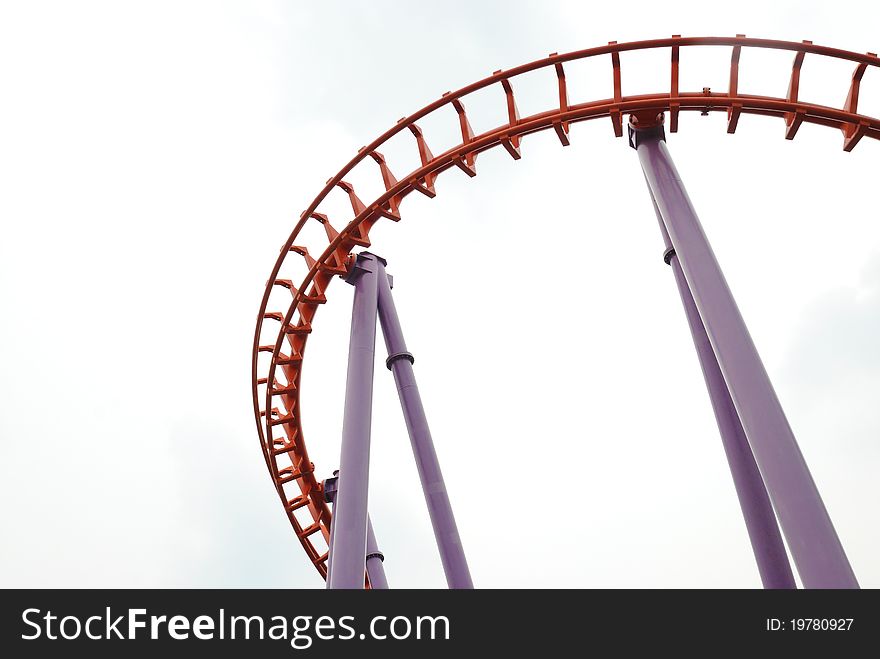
735, 109
276, 385
793, 120
674, 105
561, 127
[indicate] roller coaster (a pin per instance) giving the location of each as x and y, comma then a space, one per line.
775, 489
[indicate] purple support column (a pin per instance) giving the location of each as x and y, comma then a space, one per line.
375, 560
350, 508
400, 363
773, 565
818, 554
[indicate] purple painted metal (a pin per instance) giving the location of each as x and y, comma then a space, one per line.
815, 547
375, 560
767, 545
350, 507
330, 487
400, 363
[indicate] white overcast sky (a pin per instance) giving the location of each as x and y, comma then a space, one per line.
155, 155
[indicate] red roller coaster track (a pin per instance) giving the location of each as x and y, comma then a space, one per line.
276, 380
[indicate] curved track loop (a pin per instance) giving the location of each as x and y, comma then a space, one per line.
281, 333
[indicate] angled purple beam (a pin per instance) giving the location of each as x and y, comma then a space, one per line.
375, 561
773, 565
350, 508
818, 554
400, 363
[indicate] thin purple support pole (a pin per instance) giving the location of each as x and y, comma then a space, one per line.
400, 363
350, 508
773, 565
818, 554
330, 550
375, 561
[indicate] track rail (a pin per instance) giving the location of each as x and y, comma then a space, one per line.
281, 334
